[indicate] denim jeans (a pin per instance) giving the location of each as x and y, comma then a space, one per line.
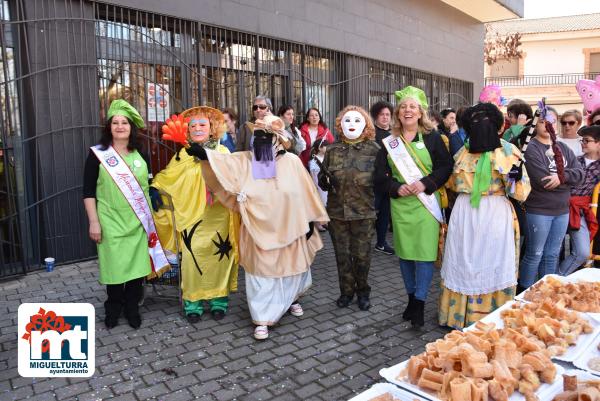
417, 277
580, 250
543, 241
382, 205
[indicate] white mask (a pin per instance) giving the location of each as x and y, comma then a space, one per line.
353, 123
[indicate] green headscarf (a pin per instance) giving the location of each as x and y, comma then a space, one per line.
413, 93
120, 107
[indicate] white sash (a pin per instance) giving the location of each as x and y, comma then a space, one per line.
134, 194
410, 172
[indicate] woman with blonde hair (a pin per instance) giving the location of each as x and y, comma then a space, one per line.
411, 167
347, 175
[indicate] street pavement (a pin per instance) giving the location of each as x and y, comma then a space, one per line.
327, 354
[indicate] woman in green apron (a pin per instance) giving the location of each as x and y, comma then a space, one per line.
416, 230
122, 241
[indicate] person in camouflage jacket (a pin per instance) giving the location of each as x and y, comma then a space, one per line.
347, 173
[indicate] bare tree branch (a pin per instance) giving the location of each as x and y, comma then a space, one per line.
496, 46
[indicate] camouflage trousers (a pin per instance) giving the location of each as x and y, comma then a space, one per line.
352, 245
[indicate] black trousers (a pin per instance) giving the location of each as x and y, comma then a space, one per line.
124, 296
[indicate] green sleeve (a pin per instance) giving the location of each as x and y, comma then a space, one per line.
512, 132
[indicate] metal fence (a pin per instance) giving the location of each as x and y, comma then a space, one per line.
63, 61
541, 80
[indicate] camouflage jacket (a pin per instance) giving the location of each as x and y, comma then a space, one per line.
352, 166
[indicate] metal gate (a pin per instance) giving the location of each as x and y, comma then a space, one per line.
63, 61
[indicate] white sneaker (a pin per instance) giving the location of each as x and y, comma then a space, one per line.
261, 332
296, 310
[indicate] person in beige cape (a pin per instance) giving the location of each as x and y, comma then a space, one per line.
278, 204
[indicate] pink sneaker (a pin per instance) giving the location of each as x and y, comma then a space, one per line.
261, 332
296, 310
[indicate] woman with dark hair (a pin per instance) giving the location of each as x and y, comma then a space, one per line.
115, 195
230, 136
448, 125
457, 140
298, 145
553, 170
313, 129
583, 225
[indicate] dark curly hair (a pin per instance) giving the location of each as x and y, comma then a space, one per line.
378, 108
133, 144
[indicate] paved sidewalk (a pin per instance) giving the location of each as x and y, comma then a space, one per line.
327, 354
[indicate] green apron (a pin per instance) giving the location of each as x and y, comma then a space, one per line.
416, 231
123, 252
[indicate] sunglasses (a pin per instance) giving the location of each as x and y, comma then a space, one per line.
586, 141
259, 106
570, 123
597, 122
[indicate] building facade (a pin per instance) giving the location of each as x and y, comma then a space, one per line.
557, 52
63, 61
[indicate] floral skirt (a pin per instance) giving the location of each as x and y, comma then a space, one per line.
458, 310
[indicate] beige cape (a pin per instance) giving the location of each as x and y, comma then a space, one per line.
275, 212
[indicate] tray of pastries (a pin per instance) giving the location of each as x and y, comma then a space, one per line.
564, 333
579, 292
485, 363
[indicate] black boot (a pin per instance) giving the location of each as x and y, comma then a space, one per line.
363, 302
418, 318
344, 300
133, 295
410, 308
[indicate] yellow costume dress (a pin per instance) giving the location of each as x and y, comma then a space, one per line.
479, 271
207, 230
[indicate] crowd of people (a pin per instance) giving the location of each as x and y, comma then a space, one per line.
486, 197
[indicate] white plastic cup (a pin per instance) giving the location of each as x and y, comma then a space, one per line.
49, 264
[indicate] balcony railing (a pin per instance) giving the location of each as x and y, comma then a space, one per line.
540, 80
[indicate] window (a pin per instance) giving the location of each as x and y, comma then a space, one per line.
594, 62
505, 68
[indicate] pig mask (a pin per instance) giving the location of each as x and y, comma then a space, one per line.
589, 91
